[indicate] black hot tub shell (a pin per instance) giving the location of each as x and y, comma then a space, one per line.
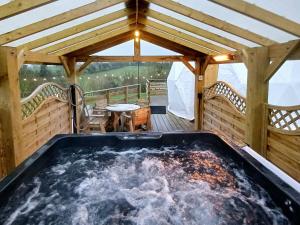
282, 194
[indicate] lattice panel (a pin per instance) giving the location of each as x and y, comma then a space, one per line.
222, 89
286, 119
42, 93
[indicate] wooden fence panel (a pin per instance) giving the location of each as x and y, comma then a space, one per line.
283, 138
46, 112
224, 112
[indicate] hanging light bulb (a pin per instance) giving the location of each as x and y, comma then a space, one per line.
136, 33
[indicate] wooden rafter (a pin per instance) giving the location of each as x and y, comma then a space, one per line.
178, 40
212, 21
194, 29
102, 45
208, 45
19, 6
187, 64
165, 43
261, 14
56, 20
84, 37
76, 29
91, 41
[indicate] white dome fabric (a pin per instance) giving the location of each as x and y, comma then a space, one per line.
283, 87
181, 86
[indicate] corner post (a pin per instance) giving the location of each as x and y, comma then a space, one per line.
257, 61
10, 109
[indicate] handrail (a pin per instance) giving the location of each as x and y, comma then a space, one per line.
111, 89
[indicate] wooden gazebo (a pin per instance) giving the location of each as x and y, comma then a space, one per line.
26, 124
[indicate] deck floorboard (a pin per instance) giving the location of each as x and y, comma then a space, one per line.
169, 122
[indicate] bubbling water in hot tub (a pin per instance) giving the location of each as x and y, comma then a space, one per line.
141, 186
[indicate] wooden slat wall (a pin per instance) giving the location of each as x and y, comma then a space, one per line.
52, 118
221, 117
284, 151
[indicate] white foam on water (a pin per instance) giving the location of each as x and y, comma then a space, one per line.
138, 188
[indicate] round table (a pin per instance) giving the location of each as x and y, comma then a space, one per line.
118, 110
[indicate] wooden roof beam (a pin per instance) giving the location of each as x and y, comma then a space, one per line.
208, 45
212, 21
102, 45
261, 14
76, 29
177, 40
123, 29
193, 29
165, 43
56, 20
19, 6
84, 37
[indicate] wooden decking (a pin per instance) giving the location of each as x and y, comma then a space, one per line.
169, 122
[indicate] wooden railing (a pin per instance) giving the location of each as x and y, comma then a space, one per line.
123, 94
156, 87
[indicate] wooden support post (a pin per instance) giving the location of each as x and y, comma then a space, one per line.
126, 94
137, 49
108, 97
200, 68
197, 92
257, 95
10, 110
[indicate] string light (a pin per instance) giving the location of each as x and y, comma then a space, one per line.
34, 79
53, 78
24, 79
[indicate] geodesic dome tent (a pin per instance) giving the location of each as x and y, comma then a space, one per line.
181, 87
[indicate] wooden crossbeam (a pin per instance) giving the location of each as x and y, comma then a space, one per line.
94, 40
212, 21
194, 29
176, 40
211, 47
167, 58
38, 58
19, 6
84, 37
56, 20
261, 14
277, 63
76, 29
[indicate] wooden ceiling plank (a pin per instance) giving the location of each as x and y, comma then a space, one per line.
212, 21
76, 29
94, 40
56, 20
193, 29
86, 36
180, 34
20, 6
261, 14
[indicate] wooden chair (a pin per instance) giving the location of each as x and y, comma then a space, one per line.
94, 120
139, 119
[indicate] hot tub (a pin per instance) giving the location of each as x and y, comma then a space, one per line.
172, 178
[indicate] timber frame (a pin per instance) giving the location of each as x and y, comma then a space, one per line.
262, 62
